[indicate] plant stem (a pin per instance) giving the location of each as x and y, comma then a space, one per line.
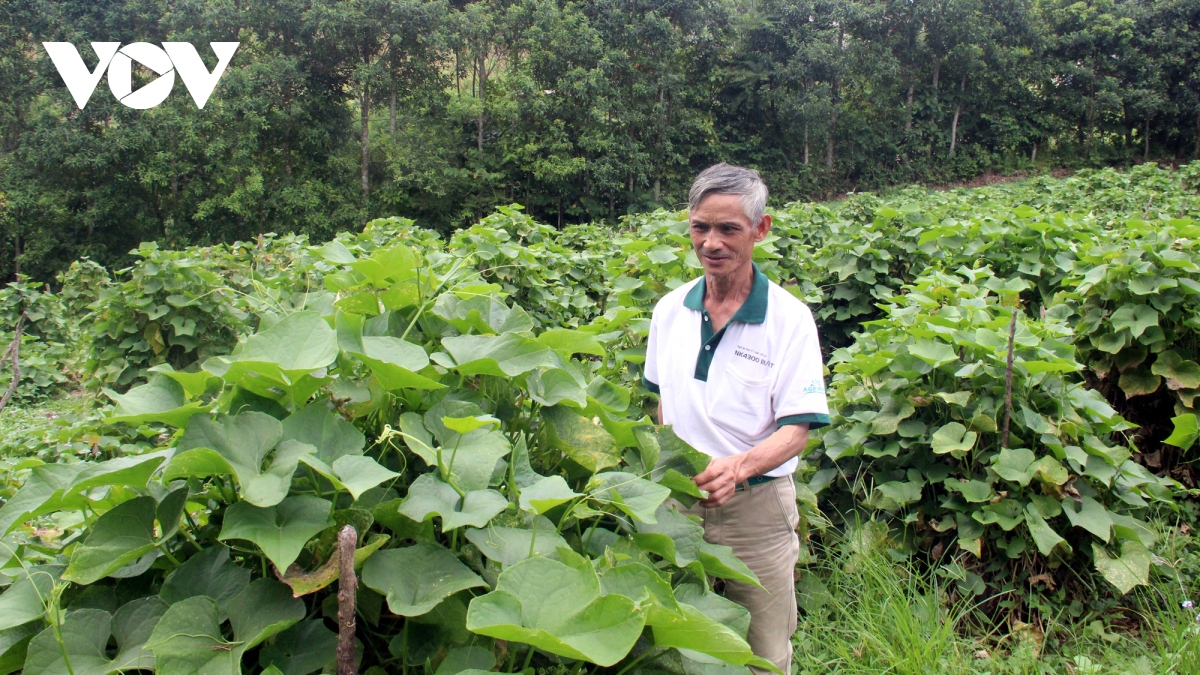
1008, 371
649, 653
528, 658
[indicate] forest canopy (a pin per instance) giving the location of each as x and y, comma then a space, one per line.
332, 113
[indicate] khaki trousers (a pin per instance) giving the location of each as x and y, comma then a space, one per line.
759, 524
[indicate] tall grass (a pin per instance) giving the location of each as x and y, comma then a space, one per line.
863, 612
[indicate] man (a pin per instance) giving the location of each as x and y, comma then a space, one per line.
736, 363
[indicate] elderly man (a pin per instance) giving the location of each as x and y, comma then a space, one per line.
736, 363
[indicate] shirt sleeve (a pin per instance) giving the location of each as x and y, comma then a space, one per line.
650, 366
799, 395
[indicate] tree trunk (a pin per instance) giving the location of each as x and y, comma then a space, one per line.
287, 154
957, 111
829, 142
16, 256
1196, 151
392, 107
1146, 154
908, 103
560, 212
937, 73
1033, 157
479, 120
806, 144
366, 141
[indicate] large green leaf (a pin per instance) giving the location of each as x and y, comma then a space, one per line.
637, 497
551, 386
359, 474
162, 399
264, 608
1043, 535
1137, 318
45, 491
395, 363
280, 530
1014, 464
298, 344
1130, 569
663, 451
545, 494
571, 341
26, 597
680, 541
933, 352
210, 573
558, 608
194, 383
330, 433
117, 538
482, 314
695, 631
470, 457
415, 579
302, 649
1185, 431
14, 643
430, 496
243, 441
85, 636
506, 355
188, 639
1180, 373
1091, 516
1138, 382
953, 438
510, 545
641, 582
587, 443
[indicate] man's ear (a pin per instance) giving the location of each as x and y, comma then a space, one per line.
763, 227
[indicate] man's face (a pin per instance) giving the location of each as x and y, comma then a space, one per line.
723, 237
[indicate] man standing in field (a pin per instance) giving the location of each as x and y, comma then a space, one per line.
736, 363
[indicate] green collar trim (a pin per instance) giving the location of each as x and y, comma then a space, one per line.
753, 310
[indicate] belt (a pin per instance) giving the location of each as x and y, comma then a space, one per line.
755, 481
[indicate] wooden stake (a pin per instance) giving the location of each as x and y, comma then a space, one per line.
347, 595
1012, 334
14, 348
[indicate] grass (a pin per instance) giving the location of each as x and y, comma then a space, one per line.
863, 612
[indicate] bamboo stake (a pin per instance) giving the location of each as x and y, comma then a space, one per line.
347, 595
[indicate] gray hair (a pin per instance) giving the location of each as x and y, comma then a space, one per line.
727, 179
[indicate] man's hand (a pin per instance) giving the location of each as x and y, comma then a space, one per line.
724, 473
721, 478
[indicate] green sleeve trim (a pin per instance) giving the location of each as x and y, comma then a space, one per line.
814, 420
650, 385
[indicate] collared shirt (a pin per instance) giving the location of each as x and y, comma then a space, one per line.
726, 391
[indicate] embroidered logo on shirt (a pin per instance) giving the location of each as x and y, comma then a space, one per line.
815, 386
753, 356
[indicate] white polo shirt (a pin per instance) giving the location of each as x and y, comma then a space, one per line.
728, 391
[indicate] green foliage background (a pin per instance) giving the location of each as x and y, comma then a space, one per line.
472, 405
334, 113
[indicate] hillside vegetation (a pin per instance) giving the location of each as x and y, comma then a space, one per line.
1008, 484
